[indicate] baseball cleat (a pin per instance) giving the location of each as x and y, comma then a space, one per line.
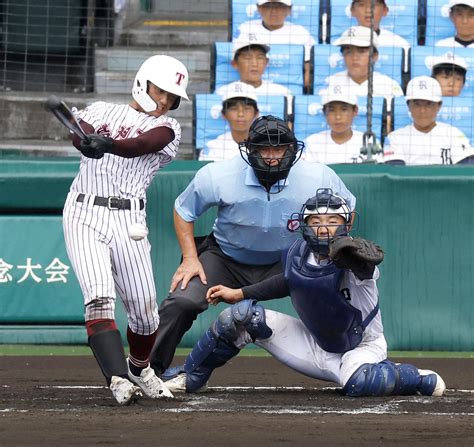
124, 391
431, 383
150, 383
178, 384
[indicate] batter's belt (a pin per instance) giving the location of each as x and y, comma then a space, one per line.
112, 203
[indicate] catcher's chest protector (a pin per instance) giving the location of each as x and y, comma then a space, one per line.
315, 292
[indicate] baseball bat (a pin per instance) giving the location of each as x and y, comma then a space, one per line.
64, 114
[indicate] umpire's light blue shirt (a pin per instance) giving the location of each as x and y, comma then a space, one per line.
251, 226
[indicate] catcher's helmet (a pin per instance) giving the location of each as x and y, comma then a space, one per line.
270, 131
165, 72
324, 202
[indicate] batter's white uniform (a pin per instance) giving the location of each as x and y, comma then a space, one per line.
289, 33
320, 147
452, 42
444, 144
103, 255
222, 148
383, 85
294, 345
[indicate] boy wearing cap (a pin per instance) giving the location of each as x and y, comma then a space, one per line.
239, 109
450, 71
461, 13
250, 60
426, 141
355, 49
273, 28
339, 144
361, 11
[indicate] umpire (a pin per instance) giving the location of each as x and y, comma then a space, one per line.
253, 193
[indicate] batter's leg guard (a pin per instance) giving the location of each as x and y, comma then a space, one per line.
391, 379
216, 346
109, 353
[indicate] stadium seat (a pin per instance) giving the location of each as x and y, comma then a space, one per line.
401, 19
285, 66
328, 60
455, 111
309, 117
208, 120
422, 58
304, 12
438, 23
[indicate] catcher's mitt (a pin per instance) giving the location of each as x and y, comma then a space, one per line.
96, 146
359, 255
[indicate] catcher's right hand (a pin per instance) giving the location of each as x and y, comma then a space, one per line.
95, 146
359, 255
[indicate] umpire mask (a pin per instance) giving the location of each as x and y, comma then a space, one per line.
270, 132
324, 202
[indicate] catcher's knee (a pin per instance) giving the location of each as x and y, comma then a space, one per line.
100, 308
246, 314
372, 379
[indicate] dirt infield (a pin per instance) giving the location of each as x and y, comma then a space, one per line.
49, 401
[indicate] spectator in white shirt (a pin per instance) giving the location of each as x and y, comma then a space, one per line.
361, 11
250, 59
461, 13
355, 49
339, 144
239, 109
273, 28
426, 141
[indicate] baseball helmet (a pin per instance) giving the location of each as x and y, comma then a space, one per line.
165, 72
270, 131
324, 202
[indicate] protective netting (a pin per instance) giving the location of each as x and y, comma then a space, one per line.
88, 50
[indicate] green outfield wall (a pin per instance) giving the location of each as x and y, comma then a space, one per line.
423, 217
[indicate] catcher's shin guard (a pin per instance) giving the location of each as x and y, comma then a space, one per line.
109, 353
210, 352
391, 379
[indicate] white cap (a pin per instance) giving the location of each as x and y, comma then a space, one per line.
358, 36
447, 58
424, 87
285, 2
245, 40
461, 2
340, 92
239, 90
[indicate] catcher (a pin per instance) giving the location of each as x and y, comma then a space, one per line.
331, 279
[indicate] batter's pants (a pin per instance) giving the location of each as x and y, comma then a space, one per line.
178, 311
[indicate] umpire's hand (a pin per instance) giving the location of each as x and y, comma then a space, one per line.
189, 268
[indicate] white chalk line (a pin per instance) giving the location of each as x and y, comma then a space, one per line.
232, 388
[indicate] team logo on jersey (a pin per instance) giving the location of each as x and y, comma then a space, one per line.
180, 77
446, 158
104, 129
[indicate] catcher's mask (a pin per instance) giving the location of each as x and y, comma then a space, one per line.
269, 132
324, 202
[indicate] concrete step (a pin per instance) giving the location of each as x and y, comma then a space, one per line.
120, 82
139, 35
25, 119
130, 59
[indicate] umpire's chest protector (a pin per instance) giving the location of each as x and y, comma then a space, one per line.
315, 292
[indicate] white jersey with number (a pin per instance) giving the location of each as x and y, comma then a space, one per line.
221, 148
383, 85
117, 176
444, 144
320, 147
289, 33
